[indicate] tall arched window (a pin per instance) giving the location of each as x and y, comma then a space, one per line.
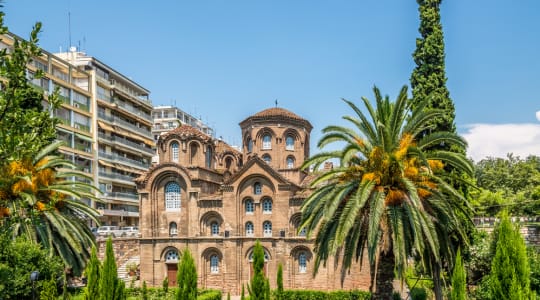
249, 206
214, 227
302, 262
172, 196
289, 143
174, 151
267, 228
209, 157
249, 145
173, 228
290, 162
214, 264
267, 142
193, 149
228, 163
267, 159
267, 206
249, 229
257, 188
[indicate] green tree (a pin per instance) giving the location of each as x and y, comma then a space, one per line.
243, 295
49, 291
144, 294
165, 285
257, 289
459, 280
428, 79
187, 277
91, 291
279, 282
510, 272
388, 195
110, 287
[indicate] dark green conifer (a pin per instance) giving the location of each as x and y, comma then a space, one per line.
257, 289
91, 291
187, 277
459, 281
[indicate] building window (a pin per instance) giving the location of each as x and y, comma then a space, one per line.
302, 262
173, 229
289, 143
249, 229
214, 264
249, 206
267, 228
172, 196
257, 188
267, 142
228, 163
174, 151
267, 206
193, 149
214, 227
209, 157
171, 256
267, 159
249, 145
290, 162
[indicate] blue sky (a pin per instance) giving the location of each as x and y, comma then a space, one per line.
225, 60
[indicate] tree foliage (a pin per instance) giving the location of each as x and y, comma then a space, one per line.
459, 280
258, 289
110, 286
388, 195
92, 272
187, 277
279, 281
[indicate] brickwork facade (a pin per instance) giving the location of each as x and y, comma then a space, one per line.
206, 196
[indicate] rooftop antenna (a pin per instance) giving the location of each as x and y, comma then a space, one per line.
69, 28
276, 102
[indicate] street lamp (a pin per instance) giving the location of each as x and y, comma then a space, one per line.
34, 276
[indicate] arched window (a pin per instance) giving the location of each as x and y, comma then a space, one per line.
267, 228
193, 153
173, 228
174, 151
171, 256
267, 159
289, 143
267, 206
228, 163
209, 157
249, 229
267, 142
249, 145
172, 196
290, 162
214, 264
257, 188
249, 206
302, 262
214, 227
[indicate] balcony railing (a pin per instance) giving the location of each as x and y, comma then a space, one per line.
134, 111
117, 157
123, 123
116, 176
131, 196
126, 142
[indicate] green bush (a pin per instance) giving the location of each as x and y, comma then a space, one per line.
319, 295
418, 294
209, 295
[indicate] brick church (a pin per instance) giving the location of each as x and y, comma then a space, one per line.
217, 201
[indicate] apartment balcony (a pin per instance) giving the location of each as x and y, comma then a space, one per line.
116, 157
127, 143
134, 111
127, 125
131, 197
117, 213
114, 176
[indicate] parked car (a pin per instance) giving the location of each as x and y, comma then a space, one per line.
113, 231
131, 231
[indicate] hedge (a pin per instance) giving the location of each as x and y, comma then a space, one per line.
319, 295
209, 295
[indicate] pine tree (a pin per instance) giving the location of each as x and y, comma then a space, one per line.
91, 291
279, 293
257, 290
187, 277
459, 281
110, 287
243, 295
428, 79
144, 291
510, 273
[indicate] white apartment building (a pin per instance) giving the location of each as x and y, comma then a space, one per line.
166, 118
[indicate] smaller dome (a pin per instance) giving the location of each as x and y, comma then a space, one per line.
276, 115
278, 112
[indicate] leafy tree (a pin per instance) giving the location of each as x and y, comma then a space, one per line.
18, 258
459, 280
39, 202
187, 277
49, 290
144, 295
110, 287
510, 272
257, 288
534, 264
91, 290
165, 285
388, 194
428, 80
280, 282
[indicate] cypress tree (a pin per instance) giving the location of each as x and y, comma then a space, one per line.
110, 287
91, 291
187, 277
510, 273
257, 290
279, 281
428, 79
243, 295
459, 281
144, 291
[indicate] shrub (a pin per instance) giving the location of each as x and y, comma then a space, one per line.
459, 281
187, 277
320, 295
210, 295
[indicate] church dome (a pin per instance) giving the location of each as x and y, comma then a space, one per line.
276, 114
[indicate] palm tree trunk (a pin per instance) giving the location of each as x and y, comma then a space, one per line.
437, 286
385, 277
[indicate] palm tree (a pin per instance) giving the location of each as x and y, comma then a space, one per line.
387, 195
38, 200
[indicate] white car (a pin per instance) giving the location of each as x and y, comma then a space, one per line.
113, 231
131, 231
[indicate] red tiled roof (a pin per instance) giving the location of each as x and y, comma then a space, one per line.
185, 131
277, 112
